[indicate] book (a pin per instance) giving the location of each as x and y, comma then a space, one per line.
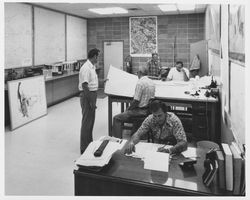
237, 167
221, 169
228, 166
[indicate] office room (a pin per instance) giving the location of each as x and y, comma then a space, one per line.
135, 98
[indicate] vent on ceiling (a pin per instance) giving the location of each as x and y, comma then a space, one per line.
133, 9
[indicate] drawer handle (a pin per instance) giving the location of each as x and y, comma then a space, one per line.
201, 127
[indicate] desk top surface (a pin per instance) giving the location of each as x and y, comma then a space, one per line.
172, 91
131, 169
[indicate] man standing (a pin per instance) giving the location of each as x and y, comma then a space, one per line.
144, 91
163, 128
88, 86
178, 73
154, 66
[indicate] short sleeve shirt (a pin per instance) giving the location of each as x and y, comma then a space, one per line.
88, 74
175, 75
144, 91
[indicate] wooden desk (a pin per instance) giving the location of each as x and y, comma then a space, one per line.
126, 176
205, 111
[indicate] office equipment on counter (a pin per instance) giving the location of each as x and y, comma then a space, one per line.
228, 166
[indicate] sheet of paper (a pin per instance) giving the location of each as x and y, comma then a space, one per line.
120, 83
142, 148
156, 161
191, 152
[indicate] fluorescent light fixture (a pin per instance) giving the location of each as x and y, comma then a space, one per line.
107, 11
185, 7
167, 7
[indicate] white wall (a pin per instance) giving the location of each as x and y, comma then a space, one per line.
233, 81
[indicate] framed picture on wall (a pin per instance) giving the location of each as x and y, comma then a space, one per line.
214, 28
143, 36
236, 34
27, 100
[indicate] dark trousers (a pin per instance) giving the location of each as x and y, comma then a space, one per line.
127, 116
88, 119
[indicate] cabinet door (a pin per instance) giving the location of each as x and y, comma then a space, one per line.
61, 89
49, 92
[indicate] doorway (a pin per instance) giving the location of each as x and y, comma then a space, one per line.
113, 55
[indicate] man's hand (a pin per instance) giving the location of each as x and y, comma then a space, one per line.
163, 150
130, 148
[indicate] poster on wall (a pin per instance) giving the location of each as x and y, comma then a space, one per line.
27, 100
214, 28
143, 36
237, 33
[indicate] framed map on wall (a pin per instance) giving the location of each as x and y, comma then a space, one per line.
237, 33
143, 36
27, 100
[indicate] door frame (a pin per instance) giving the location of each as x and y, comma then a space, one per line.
122, 51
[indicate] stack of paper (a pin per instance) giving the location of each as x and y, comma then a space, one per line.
142, 148
88, 158
157, 161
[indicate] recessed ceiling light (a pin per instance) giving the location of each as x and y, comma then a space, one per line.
167, 7
186, 7
107, 11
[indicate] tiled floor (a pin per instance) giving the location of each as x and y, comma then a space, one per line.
39, 156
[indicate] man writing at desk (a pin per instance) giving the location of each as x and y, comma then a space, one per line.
178, 73
163, 127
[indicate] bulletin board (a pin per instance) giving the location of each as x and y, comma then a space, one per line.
237, 101
18, 35
76, 38
49, 36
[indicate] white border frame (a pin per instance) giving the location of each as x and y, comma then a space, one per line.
156, 29
12, 86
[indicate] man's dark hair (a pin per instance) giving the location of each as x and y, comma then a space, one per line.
155, 105
154, 54
179, 62
93, 52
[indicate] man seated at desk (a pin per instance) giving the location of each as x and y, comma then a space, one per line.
178, 73
163, 127
154, 66
144, 91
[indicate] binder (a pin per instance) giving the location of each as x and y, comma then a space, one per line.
221, 169
228, 166
237, 167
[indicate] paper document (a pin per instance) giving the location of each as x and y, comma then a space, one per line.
191, 152
157, 161
88, 158
142, 148
120, 83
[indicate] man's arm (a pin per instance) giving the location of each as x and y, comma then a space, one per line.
180, 137
186, 74
144, 128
